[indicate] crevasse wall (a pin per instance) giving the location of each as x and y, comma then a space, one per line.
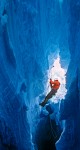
21, 61
29, 33
70, 108
15, 130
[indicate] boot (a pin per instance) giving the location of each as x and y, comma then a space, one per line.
44, 102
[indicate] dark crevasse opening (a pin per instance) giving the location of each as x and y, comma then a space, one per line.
39, 40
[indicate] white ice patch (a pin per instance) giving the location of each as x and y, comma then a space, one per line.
56, 72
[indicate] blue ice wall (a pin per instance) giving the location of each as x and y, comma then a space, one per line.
70, 108
15, 129
30, 32
21, 70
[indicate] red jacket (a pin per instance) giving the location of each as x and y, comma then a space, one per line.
54, 84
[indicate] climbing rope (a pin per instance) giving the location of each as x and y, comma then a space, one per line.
54, 134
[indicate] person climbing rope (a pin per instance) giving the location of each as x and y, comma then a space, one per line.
54, 87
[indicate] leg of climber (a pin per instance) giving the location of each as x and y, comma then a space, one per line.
50, 94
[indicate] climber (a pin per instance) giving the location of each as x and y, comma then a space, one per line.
54, 87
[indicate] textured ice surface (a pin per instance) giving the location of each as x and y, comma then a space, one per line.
32, 35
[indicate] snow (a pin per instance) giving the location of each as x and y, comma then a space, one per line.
57, 72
